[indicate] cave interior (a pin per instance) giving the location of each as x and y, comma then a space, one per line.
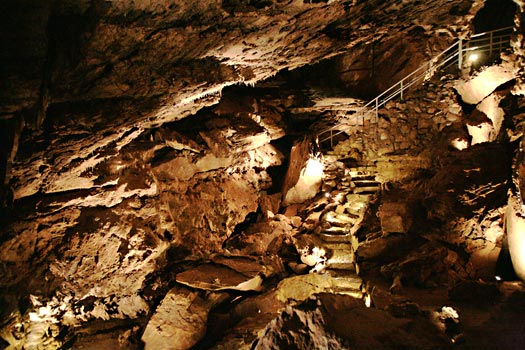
262, 174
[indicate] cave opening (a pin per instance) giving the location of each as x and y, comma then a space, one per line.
495, 14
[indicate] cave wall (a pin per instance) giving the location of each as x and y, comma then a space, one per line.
99, 60
117, 173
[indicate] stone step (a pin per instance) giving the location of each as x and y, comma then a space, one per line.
367, 190
356, 209
342, 259
343, 254
338, 219
331, 237
351, 292
345, 279
366, 183
335, 230
335, 238
338, 245
338, 238
345, 266
358, 198
363, 177
362, 170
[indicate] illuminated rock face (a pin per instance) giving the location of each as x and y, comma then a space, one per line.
179, 322
308, 184
304, 175
134, 156
476, 89
515, 224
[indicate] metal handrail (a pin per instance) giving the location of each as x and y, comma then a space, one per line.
425, 71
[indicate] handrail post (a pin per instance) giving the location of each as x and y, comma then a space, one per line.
377, 109
490, 45
460, 55
497, 42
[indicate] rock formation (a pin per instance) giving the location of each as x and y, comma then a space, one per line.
162, 185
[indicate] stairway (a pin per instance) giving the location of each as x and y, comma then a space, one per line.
349, 191
488, 44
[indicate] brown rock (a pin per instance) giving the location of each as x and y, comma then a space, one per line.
179, 321
270, 204
396, 217
336, 320
223, 277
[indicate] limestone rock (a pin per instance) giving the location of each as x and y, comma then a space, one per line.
422, 267
483, 84
120, 166
176, 140
300, 288
328, 320
270, 204
396, 217
208, 213
243, 274
304, 175
179, 321
516, 235
264, 238
251, 317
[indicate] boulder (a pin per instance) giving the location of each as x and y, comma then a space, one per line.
231, 274
304, 175
331, 321
179, 321
476, 89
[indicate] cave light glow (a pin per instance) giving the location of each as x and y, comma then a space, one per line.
313, 169
459, 143
473, 57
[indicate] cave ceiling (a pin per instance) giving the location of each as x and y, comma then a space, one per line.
96, 75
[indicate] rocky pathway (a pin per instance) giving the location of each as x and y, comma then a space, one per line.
348, 192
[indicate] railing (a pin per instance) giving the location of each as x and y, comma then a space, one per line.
483, 45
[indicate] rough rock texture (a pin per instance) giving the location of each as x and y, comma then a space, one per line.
340, 322
395, 217
143, 149
179, 321
476, 89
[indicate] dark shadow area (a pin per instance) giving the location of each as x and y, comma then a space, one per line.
504, 269
495, 14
